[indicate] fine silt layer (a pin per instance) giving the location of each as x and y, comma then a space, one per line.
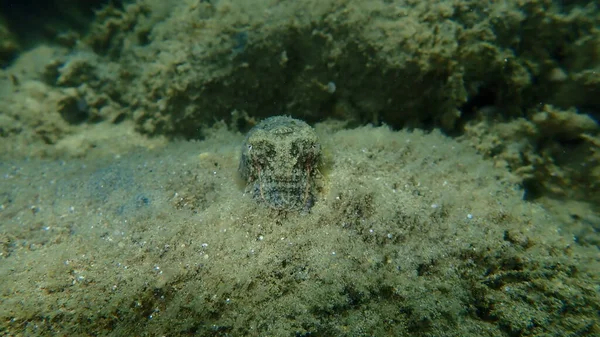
412, 234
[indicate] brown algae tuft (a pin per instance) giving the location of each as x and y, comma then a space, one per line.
279, 163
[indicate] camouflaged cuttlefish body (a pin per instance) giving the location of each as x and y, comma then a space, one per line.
279, 162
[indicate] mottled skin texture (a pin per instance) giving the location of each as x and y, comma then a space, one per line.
278, 162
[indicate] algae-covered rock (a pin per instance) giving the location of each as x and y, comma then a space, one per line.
554, 151
405, 64
564, 125
9, 45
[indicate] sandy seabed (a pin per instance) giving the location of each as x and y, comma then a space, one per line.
411, 234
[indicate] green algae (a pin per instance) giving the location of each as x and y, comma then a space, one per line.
413, 234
